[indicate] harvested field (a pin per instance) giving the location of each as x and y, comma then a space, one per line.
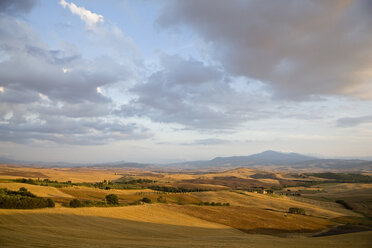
142, 226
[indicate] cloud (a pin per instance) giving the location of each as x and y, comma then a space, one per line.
208, 142
30, 66
108, 37
50, 95
299, 49
13, 96
354, 121
69, 131
87, 16
196, 95
16, 7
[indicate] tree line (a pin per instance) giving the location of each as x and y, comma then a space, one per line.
23, 199
175, 189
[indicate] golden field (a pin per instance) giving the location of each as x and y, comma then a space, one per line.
252, 219
142, 226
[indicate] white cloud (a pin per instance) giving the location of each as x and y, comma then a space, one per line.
99, 90
43, 97
87, 16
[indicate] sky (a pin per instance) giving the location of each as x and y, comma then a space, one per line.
171, 80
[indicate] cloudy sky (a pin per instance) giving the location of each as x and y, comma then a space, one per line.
166, 81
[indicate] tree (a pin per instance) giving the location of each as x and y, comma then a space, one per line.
112, 199
22, 189
75, 203
295, 210
146, 200
22, 199
50, 203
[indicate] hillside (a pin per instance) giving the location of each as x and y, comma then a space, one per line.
142, 226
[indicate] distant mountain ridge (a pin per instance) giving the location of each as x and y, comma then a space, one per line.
280, 160
267, 158
264, 158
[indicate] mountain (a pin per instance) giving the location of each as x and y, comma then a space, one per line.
264, 158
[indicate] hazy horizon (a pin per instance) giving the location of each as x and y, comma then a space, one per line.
172, 81
166, 161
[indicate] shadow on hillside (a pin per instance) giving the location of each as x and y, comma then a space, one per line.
342, 229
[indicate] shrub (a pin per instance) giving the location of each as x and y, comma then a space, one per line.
88, 203
214, 204
22, 189
136, 202
112, 199
50, 203
75, 203
295, 210
146, 200
162, 199
175, 189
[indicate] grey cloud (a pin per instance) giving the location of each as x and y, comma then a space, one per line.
25, 73
16, 34
207, 142
299, 48
195, 95
354, 121
56, 57
16, 6
83, 109
70, 131
18, 97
